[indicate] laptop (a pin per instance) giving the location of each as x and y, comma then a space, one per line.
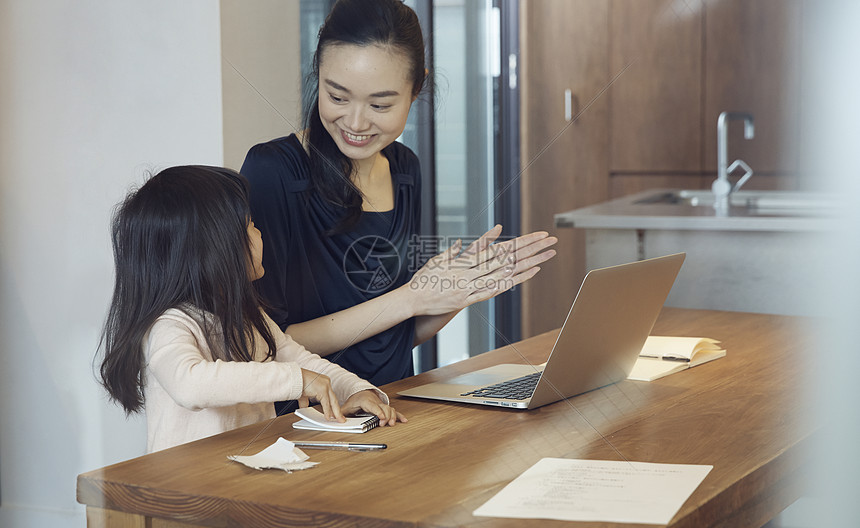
610, 318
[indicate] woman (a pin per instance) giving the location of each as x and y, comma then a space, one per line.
339, 208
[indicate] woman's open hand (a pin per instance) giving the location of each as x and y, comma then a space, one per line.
454, 279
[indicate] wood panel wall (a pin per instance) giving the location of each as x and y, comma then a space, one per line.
565, 45
752, 61
649, 78
655, 112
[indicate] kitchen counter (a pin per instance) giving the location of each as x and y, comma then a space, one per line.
758, 257
657, 209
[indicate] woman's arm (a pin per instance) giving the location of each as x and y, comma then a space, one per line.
442, 287
426, 326
334, 332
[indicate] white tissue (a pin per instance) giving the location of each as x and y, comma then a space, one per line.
283, 454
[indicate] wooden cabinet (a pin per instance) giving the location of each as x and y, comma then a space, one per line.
752, 63
685, 63
565, 46
655, 97
648, 79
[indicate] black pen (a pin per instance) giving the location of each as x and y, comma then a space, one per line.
341, 446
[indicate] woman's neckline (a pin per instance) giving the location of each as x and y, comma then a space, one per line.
299, 139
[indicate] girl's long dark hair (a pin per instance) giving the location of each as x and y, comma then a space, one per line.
388, 23
180, 241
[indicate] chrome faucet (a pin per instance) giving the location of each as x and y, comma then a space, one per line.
721, 187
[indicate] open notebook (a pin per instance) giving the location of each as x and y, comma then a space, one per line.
664, 355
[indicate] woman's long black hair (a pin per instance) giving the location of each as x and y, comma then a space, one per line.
180, 241
388, 23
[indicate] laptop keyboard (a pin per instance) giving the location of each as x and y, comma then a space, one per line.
515, 389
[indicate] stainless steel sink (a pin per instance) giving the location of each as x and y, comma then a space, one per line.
783, 203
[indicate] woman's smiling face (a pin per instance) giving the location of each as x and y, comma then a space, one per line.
364, 97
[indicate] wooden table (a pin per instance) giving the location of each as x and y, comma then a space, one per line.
746, 414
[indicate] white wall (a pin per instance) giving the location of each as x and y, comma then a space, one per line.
92, 94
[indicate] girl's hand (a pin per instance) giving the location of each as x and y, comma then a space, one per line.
316, 386
369, 401
453, 279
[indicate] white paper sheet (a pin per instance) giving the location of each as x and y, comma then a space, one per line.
283, 454
597, 491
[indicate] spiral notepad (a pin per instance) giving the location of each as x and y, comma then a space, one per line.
314, 420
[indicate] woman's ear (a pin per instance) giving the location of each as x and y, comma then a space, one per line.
426, 73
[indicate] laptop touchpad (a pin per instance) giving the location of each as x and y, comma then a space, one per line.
493, 375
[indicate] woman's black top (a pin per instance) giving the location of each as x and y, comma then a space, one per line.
309, 273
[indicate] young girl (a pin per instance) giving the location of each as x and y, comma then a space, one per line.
185, 337
339, 206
